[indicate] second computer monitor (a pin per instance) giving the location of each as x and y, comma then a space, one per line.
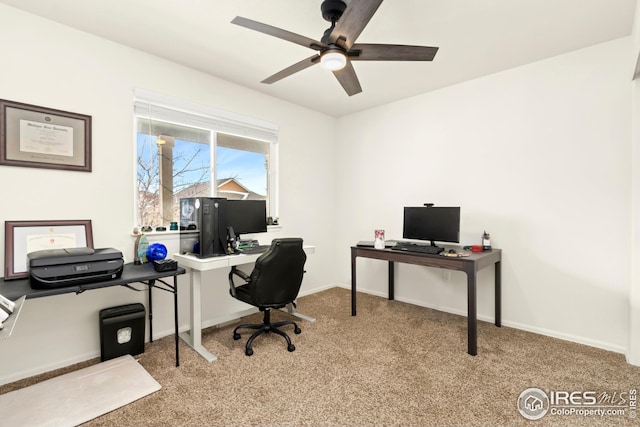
247, 216
432, 223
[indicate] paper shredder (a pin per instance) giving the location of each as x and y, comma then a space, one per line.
122, 331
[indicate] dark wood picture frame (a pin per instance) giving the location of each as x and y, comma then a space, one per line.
39, 137
18, 233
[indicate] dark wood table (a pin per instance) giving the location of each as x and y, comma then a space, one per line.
470, 265
143, 273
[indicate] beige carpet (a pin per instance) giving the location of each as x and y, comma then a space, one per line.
79, 396
393, 364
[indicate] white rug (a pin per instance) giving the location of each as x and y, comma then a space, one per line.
77, 397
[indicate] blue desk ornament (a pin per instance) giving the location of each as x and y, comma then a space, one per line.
156, 252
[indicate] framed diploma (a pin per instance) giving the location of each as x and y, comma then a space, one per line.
23, 237
41, 137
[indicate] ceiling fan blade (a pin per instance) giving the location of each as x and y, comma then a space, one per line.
348, 79
279, 32
353, 21
299, 66
392, 52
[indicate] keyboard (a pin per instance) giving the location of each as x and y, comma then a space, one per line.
413, 247
257, 249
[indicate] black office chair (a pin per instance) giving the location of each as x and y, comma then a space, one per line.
274, 282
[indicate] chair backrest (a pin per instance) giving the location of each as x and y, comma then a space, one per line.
277, 275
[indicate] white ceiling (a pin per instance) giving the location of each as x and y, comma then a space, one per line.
476, 38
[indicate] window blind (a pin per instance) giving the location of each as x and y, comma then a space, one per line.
155, 106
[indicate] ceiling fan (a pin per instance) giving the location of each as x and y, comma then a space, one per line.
337, 47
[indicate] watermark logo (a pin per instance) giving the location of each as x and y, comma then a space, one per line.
533, 403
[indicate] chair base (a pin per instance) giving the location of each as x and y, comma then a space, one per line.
265, 327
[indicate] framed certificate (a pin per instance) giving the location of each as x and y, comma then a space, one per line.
40, 137
23, 237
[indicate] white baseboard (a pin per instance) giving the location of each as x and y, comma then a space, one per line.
567, 337
316, 290
16, 376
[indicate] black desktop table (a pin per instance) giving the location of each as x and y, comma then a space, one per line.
143, 273
470, 265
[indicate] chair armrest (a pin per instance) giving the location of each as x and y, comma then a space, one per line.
241, 274
244, 276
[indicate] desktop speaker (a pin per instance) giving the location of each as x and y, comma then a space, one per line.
122, 331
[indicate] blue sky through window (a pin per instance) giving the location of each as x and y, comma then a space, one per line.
246, 167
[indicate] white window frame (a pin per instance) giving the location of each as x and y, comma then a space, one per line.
164, 107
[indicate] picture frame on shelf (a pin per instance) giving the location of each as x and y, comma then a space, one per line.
23, 237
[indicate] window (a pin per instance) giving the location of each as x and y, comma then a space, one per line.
187, 150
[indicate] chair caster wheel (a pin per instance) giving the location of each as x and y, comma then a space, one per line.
297, 330
248, 352
291, 347
236, 336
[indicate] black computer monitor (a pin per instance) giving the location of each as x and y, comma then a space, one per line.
246, 216
435, 223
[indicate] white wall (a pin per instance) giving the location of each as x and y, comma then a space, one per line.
539, 156
50, 65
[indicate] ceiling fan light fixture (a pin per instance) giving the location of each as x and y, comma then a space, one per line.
333, 60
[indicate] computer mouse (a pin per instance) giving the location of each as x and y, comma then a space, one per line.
452, 251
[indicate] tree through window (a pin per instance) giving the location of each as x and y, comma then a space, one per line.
175, 161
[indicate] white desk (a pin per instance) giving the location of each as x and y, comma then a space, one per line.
196, 266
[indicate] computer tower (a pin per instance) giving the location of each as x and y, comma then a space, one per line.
122, 331
203, 229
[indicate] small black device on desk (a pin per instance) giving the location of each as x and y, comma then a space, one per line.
415, 247
165, 264
236, 246
255, 249
247, 246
